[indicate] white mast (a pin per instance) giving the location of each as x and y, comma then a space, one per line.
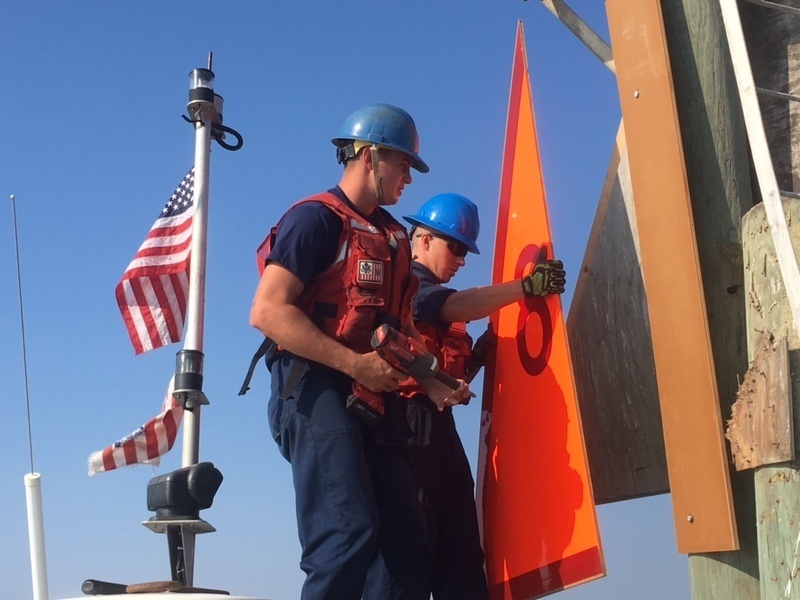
33, 481
175, 494
204, 114
167, 491
33, 496
205, 111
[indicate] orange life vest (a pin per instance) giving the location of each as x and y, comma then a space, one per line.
452, 347
369, 282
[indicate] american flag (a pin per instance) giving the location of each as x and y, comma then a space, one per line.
370, 271
145, 445
153, 291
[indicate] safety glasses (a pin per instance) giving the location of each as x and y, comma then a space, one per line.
458, 249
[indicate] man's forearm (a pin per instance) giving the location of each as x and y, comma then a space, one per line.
479, 302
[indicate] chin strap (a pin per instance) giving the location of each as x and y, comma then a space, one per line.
376, 172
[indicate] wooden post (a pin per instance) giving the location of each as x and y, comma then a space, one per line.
718, 173
777, 486
774, 45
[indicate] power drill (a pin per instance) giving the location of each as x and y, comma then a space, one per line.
405, 354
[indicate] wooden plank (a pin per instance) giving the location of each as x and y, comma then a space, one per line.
608, 324
534, 495
696, 455
760, 430
768, 307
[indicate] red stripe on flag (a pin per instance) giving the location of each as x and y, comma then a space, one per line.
146, 310
162, 292
171, 428
149, 442
127, 317
108, 459
162, 269
166, 249
170, 230
129, 452
180, 296
154, 320
151, 438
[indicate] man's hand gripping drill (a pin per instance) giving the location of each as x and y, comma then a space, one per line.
410, 358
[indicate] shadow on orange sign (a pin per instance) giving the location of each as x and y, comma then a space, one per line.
538, 517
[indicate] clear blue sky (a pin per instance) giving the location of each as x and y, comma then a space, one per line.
91, 100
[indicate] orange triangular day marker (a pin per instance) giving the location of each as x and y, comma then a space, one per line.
535, 501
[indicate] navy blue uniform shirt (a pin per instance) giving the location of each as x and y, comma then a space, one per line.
307, 240
430, 298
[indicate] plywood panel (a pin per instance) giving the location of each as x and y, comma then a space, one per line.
612, 354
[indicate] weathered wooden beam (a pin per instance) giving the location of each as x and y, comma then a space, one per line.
760, 428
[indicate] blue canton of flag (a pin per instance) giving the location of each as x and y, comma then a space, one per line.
181, 199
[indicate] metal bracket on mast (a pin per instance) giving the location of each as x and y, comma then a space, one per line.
177, 499
180, 541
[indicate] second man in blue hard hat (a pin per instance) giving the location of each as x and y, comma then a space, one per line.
444, 231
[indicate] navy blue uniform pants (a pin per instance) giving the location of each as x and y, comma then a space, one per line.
360, 524
447, 494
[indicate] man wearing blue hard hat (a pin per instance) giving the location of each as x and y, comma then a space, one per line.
335, 267
444, 231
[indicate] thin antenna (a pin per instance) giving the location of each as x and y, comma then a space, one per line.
22, 324
210, 60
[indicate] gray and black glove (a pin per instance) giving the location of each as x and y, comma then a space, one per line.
547, 277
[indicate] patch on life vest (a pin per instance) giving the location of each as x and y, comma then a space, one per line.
370, 271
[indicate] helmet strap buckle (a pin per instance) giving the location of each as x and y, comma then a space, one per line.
345, 153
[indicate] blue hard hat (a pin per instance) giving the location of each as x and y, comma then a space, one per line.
451, 215
384, 125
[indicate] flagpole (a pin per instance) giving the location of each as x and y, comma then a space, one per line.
205, 108
177, 506
203, 113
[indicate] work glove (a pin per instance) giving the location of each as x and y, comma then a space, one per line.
547, 277
482, 346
